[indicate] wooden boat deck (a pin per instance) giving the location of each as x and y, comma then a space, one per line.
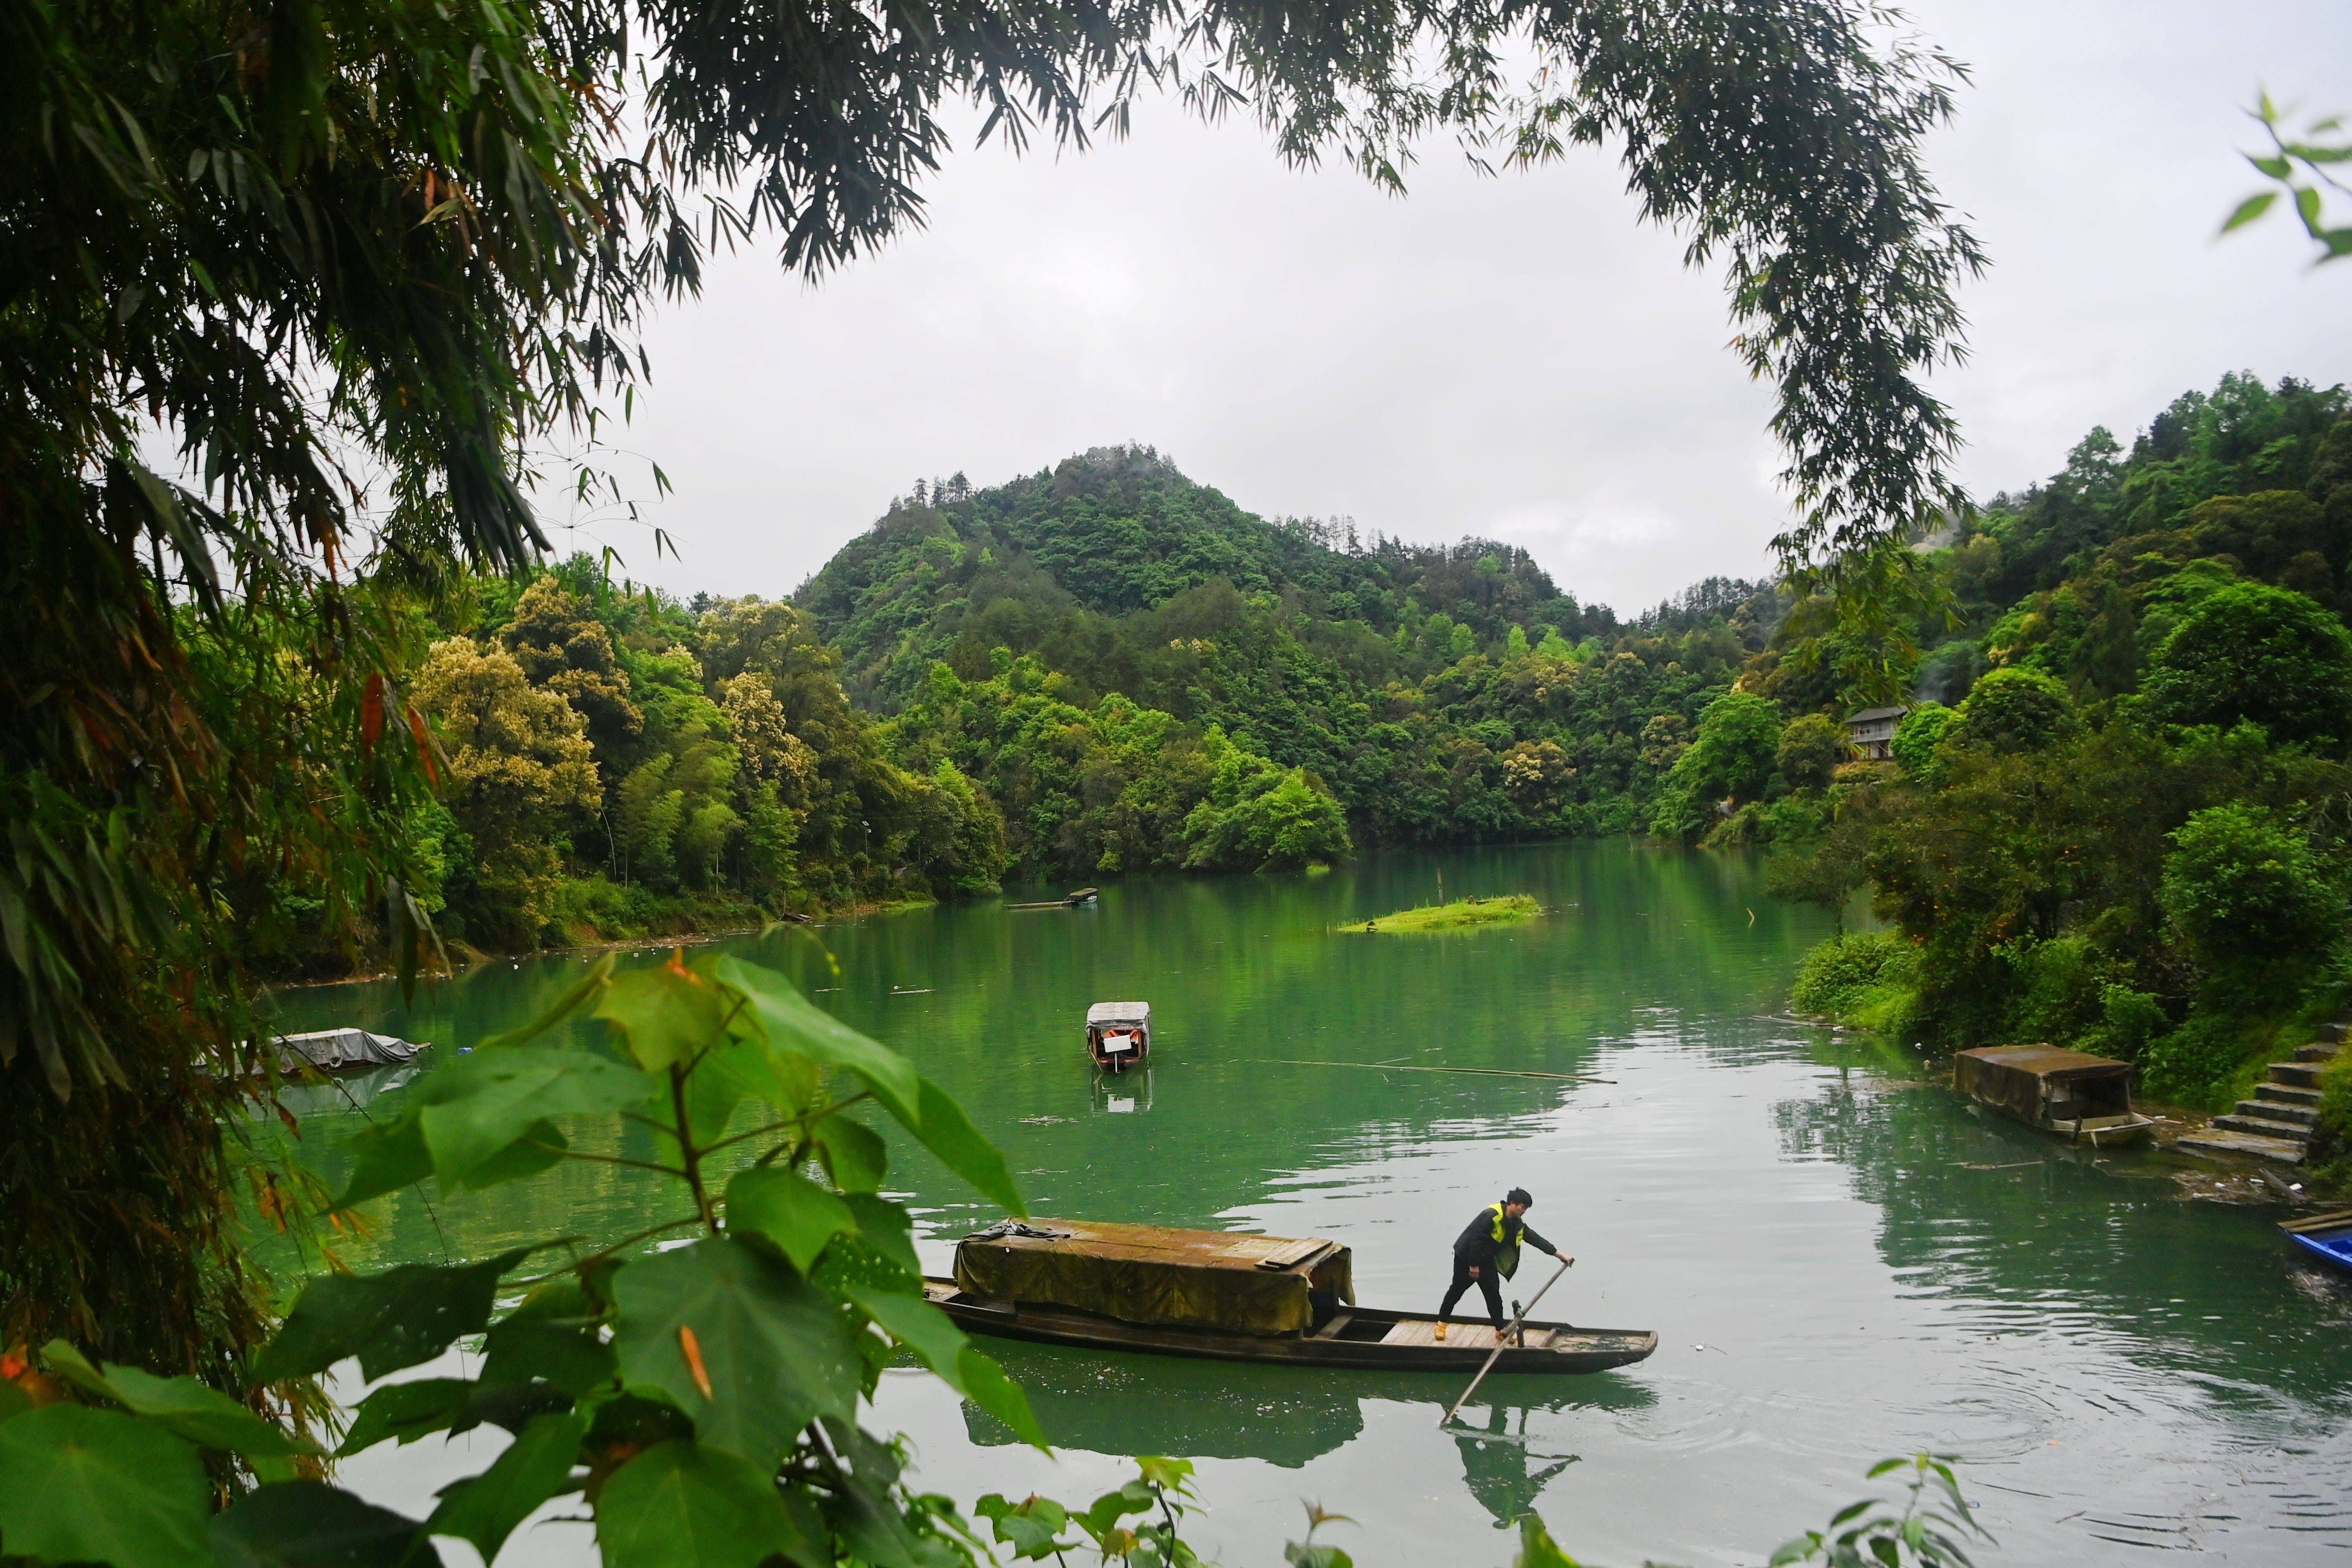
1465, 1336
1354, 1337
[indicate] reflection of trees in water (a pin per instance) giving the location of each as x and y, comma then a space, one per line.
2031, 1233
1238, 969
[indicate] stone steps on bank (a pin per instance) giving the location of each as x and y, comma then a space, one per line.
2277, 1123
2244, 1146
2263, 1126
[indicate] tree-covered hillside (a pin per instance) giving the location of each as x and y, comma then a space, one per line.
1440, 693
2120, 810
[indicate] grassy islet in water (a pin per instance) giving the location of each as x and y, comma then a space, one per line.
1462, 914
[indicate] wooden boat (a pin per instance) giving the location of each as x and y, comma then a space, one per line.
2327, 1236
1083, 896
1119, 1035
1229, 1297
2084, 1098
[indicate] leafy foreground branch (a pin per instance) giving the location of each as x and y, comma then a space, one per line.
701, 1402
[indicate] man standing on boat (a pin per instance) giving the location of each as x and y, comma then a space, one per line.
1487, 1253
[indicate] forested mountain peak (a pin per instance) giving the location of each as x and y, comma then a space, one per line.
949, 572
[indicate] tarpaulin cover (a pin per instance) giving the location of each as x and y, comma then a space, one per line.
1154, 1276
2015, 1078
341, 1048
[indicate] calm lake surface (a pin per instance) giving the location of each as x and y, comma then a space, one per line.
1842, 1259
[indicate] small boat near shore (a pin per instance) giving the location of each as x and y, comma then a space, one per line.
2327, 1236
2083, 1097
341, 1050
1225, 1297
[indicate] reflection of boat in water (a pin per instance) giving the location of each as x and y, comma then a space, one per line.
2086, 1098
311, 1094
1123, 1096
1226, 1297
1129, 1405
1124, 1405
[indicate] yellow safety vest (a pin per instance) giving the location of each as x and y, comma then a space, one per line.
1507, 1253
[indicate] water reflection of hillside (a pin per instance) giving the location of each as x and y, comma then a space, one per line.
1241, 969
2025, 1233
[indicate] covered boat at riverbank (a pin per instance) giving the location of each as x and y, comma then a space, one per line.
1228, 1296
2077, 1095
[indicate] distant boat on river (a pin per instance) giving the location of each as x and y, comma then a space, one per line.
1226, 1297
2080, 1097
1119, 1035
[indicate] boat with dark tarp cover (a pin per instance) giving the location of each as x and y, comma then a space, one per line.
1227, 1297
2086, 1098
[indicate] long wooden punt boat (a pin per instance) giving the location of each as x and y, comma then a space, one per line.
1229, 1298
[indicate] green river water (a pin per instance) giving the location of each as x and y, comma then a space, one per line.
1842, 1259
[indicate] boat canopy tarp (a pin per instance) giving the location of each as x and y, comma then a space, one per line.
1103, 1012
331, 1049
1159, 1277
2016, 1078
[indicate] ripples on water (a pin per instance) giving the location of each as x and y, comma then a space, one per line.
1842, 1261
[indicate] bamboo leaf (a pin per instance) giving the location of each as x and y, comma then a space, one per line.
2250, 209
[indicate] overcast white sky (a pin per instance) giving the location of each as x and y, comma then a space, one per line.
1511, 357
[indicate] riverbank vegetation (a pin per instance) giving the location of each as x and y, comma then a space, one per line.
2118, 811
1462, 914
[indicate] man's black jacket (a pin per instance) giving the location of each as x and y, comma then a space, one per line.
1476, 1246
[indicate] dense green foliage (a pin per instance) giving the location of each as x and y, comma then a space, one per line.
2128, 833
1115, 787
341, 257
613, 764
1438, 694
1462, 914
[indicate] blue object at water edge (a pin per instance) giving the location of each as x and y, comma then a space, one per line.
2334, 1245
